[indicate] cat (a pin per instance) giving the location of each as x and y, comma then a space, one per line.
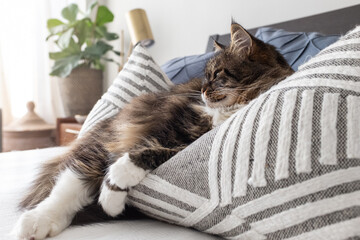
118, 152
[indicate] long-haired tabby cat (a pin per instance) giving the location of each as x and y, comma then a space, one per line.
118, 153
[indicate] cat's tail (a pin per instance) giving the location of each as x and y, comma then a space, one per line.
44, 182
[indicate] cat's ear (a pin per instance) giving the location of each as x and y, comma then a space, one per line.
240, 38
218, 46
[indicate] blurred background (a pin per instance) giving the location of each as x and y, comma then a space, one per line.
179, 27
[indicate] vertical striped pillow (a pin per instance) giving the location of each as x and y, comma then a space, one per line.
140, 75
287, 166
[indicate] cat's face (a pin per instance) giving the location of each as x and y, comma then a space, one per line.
240, 72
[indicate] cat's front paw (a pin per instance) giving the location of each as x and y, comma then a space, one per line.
122, 175
112, 201
36, 224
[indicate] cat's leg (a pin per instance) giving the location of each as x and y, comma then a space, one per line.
127, 172
122, 175
54, 214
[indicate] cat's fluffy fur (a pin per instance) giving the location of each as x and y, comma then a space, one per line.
118, 152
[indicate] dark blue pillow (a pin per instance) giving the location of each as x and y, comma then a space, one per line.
296, 47
181, 70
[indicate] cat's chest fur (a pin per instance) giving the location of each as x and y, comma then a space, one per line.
219, 115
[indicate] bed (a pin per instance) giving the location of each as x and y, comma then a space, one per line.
18, 168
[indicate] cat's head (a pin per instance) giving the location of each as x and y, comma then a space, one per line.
241, 71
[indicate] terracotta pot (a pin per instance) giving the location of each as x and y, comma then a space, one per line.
80, 90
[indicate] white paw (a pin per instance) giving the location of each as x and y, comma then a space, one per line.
36, 224
112, 202
124, 173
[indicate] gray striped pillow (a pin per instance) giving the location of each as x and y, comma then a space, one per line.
140, 75
287, 166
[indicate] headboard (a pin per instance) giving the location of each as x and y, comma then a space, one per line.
334, 22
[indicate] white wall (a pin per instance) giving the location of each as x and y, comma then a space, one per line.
182, 27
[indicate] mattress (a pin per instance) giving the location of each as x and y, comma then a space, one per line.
17, 169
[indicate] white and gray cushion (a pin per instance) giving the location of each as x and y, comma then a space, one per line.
140, 75
287, 166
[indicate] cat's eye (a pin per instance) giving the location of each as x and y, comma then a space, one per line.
216, 73
227, 72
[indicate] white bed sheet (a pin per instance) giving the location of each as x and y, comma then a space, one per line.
17, 169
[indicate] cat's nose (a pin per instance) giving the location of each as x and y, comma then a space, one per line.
206, 88
205, 91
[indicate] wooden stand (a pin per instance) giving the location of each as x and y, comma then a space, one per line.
67, 130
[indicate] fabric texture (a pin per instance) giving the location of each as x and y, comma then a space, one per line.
140, 75
181, 70
296, 47
286, 166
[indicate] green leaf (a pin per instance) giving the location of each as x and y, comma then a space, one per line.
55, 26
53, 22
63, 67
102, 31
61, 29
103, 16
110, 60
83, 30
88, 42
57, 31
111, 36
98, 65
97, 50
64, 39
117, 52
58, 55
70, 12
73, 49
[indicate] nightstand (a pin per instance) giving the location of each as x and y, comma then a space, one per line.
67, 130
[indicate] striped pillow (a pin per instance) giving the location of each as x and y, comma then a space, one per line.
287, 166
140, 75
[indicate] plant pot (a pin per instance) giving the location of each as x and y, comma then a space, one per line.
80, 90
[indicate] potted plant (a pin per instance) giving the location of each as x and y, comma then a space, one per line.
78, 65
